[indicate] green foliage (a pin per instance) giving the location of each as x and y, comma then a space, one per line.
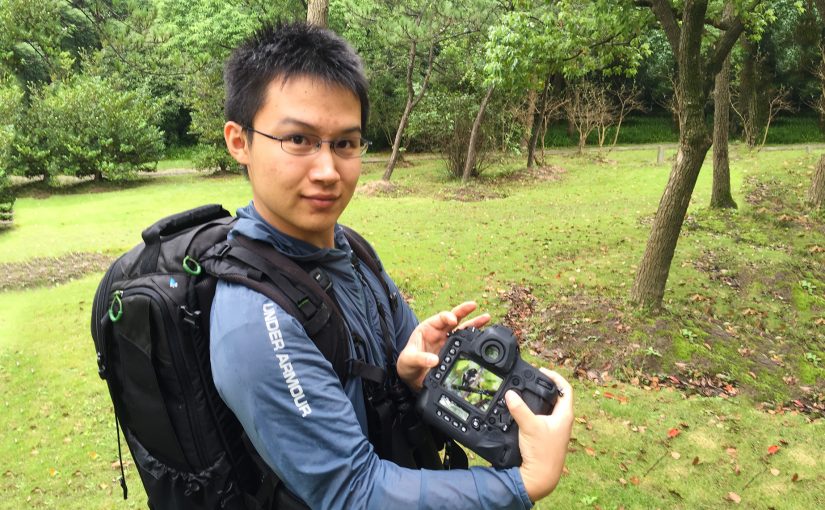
86, 126
10, 103
539, 39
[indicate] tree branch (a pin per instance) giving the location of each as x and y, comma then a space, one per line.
667, 17
724, 46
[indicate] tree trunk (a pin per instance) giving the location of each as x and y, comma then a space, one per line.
412, 101
317, 12
694, 141
396, 145
537, 122
474, 133
816, 195
721, 197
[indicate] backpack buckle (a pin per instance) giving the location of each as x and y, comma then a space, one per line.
323, 279
101, 366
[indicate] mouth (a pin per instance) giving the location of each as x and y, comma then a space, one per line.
321, 201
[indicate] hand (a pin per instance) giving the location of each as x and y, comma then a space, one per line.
426, 340
543, 439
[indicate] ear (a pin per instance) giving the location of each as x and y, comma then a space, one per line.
236, 142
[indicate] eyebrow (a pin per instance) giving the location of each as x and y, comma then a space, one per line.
290, 120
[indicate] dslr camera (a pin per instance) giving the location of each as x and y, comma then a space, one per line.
463, 396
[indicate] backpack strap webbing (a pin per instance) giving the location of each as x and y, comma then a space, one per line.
365, 252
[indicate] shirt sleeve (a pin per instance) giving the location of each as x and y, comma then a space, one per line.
302, 422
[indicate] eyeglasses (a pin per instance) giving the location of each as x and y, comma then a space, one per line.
304, 145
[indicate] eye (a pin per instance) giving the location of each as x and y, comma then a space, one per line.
298, 140
347, 143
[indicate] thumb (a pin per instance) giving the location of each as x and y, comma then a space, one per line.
519, 410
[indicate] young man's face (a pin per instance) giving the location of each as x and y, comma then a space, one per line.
302, 196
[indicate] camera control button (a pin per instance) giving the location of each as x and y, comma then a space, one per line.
447, 359
505, 427
456, 424
496, 411
446, 418
437, 375
457, 343
463, 428
476, 423
500, 402
442, 367
452, 351
438, 412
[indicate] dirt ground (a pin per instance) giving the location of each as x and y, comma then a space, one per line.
49, 271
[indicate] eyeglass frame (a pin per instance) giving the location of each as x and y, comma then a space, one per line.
364, 143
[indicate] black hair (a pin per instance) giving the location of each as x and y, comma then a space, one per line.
285, 50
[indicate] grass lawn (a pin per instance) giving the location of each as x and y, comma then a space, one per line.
553, 256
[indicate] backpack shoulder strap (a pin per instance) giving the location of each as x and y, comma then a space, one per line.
259, 266
366, 254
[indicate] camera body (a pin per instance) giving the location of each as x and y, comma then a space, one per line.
463, 396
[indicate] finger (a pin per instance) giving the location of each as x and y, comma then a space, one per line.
560, 382
525, 418
475, 322
464, 309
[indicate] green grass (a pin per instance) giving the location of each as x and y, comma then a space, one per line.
577, 238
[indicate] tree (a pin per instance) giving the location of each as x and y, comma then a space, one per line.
695, 69
721, 197
541, 45
816, 193
413, 33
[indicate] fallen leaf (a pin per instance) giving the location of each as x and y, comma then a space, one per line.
732, 496
795, 477
93, 455
731, 451
52, 471
623, 467
737, 470
622, 481
676, 455
634, 480
772, 449
673, 433
774, 472
695, 461
590, 451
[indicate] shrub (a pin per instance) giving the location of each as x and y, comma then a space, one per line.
10, 101
85, 126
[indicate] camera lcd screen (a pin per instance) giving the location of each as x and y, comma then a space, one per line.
473, 383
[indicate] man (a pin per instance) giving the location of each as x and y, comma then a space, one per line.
296, 109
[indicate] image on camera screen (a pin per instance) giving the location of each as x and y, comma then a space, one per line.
473, 383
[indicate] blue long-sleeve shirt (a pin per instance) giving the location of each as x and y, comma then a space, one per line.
309, 429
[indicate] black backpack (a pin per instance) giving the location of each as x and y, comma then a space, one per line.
150, 326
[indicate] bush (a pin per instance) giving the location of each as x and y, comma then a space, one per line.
10, 101
85, 126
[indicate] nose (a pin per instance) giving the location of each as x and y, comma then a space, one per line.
323, 166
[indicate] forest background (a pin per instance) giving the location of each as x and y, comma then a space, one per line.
95, 95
